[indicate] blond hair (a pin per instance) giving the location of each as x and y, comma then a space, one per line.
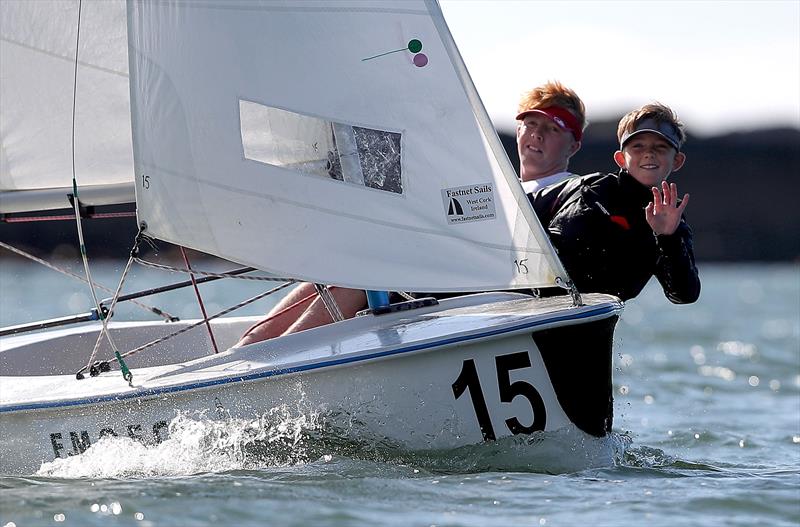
553, 93
661, 113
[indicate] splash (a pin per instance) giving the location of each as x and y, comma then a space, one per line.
647, 457
281, 438
196, 444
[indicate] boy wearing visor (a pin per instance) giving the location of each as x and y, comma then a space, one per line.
613, 232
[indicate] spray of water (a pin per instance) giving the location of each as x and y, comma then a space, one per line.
196, 444
282, 437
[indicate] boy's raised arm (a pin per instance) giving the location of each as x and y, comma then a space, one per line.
675, 268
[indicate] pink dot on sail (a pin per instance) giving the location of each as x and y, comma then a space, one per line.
420, 59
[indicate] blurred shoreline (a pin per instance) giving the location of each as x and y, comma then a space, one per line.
744, 187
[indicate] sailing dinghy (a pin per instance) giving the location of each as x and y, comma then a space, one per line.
336, 143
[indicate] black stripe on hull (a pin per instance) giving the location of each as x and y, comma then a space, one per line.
578, 360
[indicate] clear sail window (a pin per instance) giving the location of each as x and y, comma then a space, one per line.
316, 147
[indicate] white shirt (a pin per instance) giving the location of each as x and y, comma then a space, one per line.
534, 185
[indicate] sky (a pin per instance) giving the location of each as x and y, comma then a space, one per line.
721, 65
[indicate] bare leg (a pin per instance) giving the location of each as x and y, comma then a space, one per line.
350, 301
278, 324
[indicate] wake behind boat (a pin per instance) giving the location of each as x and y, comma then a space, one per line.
337, 144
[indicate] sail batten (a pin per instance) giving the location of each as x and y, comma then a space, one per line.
59, 198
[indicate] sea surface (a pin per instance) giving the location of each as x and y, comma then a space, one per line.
707, 433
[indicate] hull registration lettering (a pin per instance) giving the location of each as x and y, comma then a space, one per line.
74, 443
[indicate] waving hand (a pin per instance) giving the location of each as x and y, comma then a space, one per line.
664, 213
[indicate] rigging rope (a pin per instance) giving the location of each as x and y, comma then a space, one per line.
199, 300
279, 313
105, 329
96, 367
69, 273
259, 296
330, 303
208, 273
126, 374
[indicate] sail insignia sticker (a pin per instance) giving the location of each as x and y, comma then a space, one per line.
469, 203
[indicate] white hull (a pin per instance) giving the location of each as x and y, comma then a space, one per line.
419, 379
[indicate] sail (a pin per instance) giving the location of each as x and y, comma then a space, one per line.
334, 142
37, 74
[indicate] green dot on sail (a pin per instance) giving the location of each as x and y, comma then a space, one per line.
414, 46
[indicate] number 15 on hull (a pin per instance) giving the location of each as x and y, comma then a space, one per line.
503, 395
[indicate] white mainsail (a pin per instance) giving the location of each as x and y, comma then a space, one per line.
37, 71
352, 89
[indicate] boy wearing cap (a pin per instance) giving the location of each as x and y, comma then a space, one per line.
551, 119
615, 231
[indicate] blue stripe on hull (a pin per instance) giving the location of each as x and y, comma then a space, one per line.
307, 367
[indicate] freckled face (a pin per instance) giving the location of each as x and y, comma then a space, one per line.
649, 158
544, 147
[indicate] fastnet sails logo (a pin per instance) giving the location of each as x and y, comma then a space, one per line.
469, 203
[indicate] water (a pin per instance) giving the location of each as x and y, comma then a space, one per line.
707, 433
